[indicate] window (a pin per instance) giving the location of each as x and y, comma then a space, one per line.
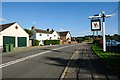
16, 27
50, 38
47, 35
54, 35
40, 34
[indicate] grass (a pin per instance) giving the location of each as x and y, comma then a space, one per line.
111, 58
90, 40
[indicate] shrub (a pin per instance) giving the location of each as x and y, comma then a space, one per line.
97, 41
53, 42
37, 42
30, 33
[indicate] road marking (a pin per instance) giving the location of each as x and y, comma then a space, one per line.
27, 57
67, 67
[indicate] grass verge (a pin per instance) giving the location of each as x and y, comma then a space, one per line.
112, 59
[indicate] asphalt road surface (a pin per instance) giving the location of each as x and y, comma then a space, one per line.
50, 62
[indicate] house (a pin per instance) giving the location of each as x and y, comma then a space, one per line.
73, 40
55, 35
12, 33
42, 35
65, 37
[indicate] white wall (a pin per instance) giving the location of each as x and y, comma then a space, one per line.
68, 36
56, 37
42, 37
12, 31
1, 39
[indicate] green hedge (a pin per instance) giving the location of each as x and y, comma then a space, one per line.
37, 42
53, 42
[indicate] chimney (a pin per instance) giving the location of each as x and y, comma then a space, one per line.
32, 28
48, 30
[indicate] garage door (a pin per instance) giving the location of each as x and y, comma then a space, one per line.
22, 41
9, 40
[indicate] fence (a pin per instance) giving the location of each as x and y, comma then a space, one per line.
115, 49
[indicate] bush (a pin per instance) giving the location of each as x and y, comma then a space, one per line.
30, 33
96, 41
37, 42
53, 42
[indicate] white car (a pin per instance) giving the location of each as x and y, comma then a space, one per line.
112, 43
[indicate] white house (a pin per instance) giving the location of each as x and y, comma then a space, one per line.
12, 33
65, 37
55, 35
42, 35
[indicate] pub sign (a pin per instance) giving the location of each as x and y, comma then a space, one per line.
95, 25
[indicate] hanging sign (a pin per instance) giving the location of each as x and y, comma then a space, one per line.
95, 25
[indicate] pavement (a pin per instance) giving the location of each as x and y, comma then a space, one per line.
89, 67
49, 62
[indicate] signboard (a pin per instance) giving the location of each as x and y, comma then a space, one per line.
95, 25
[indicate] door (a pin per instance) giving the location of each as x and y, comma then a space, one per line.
9, 40
22, 41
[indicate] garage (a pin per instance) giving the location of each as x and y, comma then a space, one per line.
22, 41
9, 40
12, 33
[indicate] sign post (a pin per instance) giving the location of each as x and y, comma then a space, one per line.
104, 38
103, 16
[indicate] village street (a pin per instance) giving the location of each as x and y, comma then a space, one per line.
51, 61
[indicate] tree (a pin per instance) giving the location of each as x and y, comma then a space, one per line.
30, 33
116, 37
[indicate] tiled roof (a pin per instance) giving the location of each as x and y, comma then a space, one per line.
42, 31
4, 26
63, 33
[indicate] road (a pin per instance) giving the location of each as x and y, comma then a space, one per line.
50, 62
47, 65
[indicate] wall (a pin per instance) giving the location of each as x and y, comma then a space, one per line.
42, 37
1, 39
30, 42
63, 37
68, 36
56, 37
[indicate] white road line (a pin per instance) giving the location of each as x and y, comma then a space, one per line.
25, 58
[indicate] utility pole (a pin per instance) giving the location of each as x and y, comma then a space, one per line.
103, 16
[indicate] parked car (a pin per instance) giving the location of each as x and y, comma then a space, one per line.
112, 43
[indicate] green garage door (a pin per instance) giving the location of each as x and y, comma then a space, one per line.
9, 40
22, 41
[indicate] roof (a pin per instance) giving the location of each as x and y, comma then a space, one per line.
63, 33
73, 39
4, 26
42, 31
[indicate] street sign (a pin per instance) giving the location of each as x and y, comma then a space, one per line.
95, 25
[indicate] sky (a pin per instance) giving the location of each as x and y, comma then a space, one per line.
60, 16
